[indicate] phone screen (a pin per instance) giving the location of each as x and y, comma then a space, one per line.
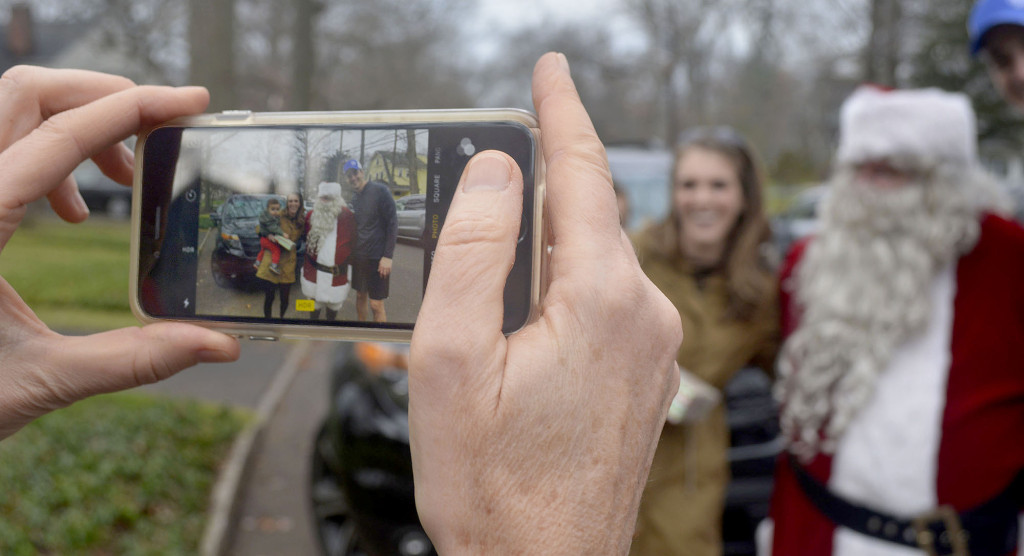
325, 225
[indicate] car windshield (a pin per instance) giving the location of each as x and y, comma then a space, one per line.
244, 207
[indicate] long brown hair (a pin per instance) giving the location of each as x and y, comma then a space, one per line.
748, 270
300, 215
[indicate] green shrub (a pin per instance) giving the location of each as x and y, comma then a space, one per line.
77, 271
117, 474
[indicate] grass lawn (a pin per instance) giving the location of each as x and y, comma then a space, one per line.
117, 474
75, 276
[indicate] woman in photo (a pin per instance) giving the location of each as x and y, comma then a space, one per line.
710, 257
293, 223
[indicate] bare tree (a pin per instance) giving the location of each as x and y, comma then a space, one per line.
412, 161
683, 36
882, 53
615, 86
212, 49
390, 54
304, 55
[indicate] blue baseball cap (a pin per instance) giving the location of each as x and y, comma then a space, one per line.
987, 14
352, 165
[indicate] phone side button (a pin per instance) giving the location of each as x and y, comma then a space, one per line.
264, 338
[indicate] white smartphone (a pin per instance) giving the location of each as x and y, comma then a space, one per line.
225, 208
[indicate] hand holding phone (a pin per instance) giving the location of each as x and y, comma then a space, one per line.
89, 114
542, 438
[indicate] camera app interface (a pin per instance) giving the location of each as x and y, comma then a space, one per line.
336, 225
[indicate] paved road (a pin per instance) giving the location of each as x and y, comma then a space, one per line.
239, 383
274, 516
402, 305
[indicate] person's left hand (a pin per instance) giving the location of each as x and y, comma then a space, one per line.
384, 268
53, 120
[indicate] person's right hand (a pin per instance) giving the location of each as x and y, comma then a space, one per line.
540, 442
52, 121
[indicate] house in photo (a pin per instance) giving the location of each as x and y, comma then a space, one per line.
392, 168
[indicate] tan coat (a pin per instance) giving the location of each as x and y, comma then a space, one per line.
681, 508
288, 258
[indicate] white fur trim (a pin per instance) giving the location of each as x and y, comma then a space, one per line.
927, 126
322, 291
888, 456
329, 189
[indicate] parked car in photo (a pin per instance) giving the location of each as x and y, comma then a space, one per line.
412, 216
236, 224
101, 194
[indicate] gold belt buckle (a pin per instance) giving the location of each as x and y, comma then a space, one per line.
957, 536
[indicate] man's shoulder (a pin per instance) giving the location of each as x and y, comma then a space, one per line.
378, 186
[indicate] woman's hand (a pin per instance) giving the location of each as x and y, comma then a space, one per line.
54, 120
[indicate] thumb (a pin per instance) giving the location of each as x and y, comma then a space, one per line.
476, 249
50, 371
130, 357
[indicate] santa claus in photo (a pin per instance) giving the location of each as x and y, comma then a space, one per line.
901, 380
329, 241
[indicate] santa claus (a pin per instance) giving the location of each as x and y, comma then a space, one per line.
902, 375
330, 229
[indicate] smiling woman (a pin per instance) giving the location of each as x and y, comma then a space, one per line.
707, 257
708, 197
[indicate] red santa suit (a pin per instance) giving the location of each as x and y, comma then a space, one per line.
945, 425
325, 272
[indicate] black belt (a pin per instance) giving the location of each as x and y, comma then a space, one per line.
336, 270
989, 529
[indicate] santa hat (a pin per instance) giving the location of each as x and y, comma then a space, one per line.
329, 189
922, 127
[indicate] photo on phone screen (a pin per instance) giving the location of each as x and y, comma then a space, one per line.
324, 225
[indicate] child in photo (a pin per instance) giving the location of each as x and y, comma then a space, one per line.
270, 226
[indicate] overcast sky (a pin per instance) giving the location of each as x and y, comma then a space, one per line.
505, 15
517, 13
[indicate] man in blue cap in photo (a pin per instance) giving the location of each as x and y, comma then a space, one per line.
996, 31
376, 233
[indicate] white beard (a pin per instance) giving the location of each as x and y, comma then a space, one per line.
863, 287
325, 216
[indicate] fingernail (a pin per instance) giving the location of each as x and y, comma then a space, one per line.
487, 172
213, 356
563, 61
80, 203
192, 88
129, 157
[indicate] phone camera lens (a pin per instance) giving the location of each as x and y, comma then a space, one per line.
465, 147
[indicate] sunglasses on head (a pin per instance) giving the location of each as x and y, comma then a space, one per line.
720, 134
